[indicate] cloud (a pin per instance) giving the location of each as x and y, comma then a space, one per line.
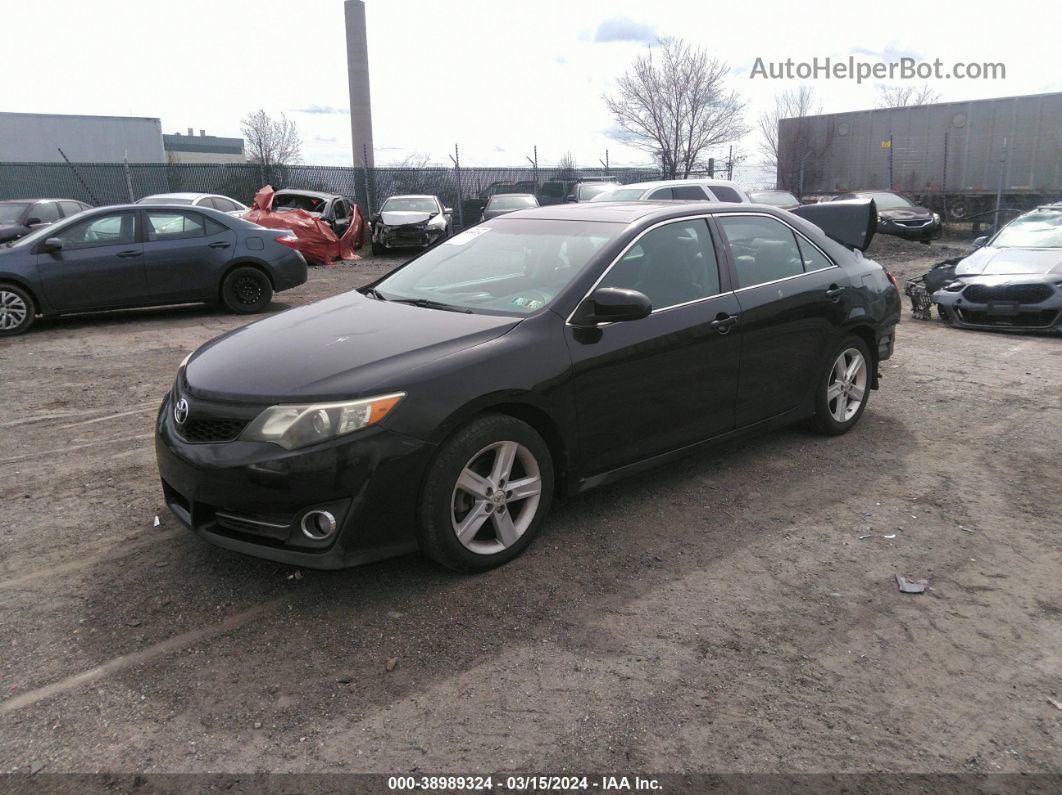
890, 53
327, 110
624, 29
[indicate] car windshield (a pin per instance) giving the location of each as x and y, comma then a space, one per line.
508, 266
164, 200
511, 202
1038, 229
621, 195
416, 204
887, 201
587, 192
776, 198
10, 213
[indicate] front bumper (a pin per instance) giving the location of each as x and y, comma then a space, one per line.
251, 496
920, 232
411, 236
987, 304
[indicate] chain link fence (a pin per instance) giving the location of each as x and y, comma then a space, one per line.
466, 189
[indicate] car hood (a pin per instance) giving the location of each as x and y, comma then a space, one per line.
496, 213
11, 231
347, 346
906, 214
401, 217
1011, 261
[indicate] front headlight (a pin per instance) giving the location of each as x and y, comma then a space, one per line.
936, 218
437, 222
954, 287
291, 426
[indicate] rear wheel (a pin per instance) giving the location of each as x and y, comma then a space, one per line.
843, 389
377, 249
486, 494
17, 310
246, 291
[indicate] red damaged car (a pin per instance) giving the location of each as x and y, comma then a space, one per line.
327, 227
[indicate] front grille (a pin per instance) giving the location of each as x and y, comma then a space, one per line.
211, 429
1043, 319
1022, 293
914, 224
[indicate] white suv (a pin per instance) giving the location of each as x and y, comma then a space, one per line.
714, 190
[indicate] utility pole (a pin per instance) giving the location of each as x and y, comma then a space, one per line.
999, 185
730, 164
944, 181
456, 158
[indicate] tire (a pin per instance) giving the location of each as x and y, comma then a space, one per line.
835, 409
377, 249
246, 291
947, 315
17, 310
495, 528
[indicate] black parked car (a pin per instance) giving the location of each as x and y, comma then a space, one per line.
143, 255
503, 203
19, 217
444, 406
900, 216
335, 210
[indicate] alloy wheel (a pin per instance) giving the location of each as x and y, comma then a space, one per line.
496, 497
13, 310
847, 387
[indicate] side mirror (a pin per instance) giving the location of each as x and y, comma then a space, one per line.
448, 210
34, 221
979, 242
570, 198
51, 245
614, 305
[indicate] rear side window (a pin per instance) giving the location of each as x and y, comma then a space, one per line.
814, 260
725, 194
688, 193
672, 264
45, 212
663, 193
764, 250
162, 225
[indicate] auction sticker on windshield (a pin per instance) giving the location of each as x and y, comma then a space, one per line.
467, 236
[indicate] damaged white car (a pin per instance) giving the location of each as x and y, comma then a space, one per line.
410, 222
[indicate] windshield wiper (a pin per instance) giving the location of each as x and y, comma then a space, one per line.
427, 303
372, 291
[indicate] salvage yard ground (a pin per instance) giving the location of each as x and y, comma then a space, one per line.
735, 612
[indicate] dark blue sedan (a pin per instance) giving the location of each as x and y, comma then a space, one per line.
143, 255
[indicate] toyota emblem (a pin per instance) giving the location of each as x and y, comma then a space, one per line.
180, 411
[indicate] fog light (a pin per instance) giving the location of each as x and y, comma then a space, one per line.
318, 525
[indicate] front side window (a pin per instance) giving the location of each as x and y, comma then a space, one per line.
100, 230
163, 225
508, 266
726, 194
340, 209
672, 264
764, 250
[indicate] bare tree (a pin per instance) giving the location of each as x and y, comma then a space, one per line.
271, 141
905, 96
412, 160
567, 165
788, 155
674, 104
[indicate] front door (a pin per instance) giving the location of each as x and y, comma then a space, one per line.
648, 386
100, 265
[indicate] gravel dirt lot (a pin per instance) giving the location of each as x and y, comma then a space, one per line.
735, 612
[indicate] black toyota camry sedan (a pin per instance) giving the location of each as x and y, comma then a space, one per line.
445, 406
144, 255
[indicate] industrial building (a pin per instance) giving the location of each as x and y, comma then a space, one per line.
202, 148
53, 137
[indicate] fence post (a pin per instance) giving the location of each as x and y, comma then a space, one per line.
128, 178
999, 184
456, 157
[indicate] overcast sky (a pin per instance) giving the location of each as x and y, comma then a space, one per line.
496, 77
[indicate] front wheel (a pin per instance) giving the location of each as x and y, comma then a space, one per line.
246, 291
486, 494
377, 249
843, 389
17, 310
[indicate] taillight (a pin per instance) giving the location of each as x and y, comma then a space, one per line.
289, 240
893, 280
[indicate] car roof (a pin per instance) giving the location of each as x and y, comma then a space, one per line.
40, 199
414, 196
315, 193
629, 212
179, 195
666, 183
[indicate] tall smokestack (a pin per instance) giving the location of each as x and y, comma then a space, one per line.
358, 79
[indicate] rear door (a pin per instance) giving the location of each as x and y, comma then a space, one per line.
790, 294
101, 263
653, 385
185, 253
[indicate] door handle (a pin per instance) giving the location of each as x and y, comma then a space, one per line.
128, 254
724, 322
219, 244
834, 292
